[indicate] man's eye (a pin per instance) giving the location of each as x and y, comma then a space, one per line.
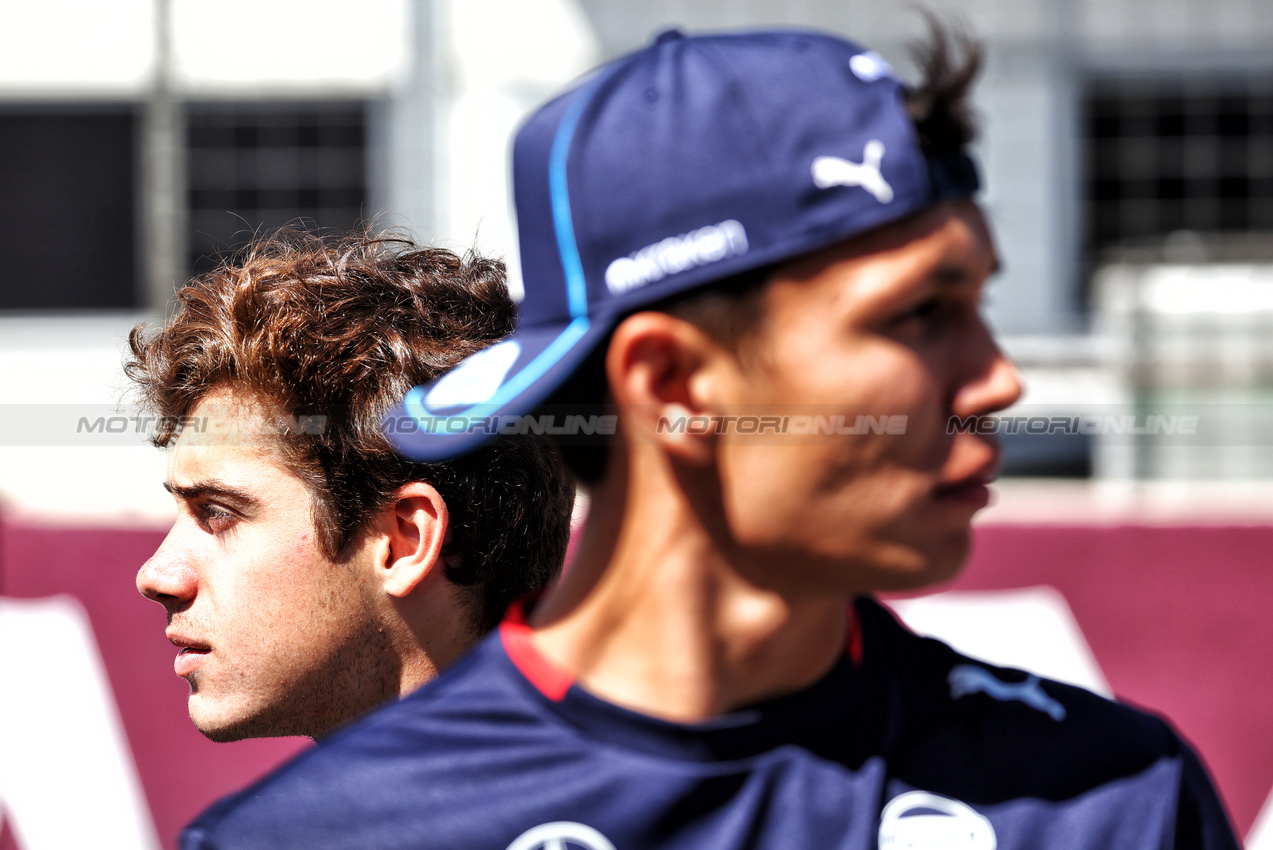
215, 518
924, 310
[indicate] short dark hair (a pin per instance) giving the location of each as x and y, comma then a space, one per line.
343, 327
949, 61
729, 309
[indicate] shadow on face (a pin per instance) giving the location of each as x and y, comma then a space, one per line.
869, 347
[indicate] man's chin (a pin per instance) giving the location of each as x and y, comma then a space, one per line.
917, 568
223, 726
223, 735
219, 729
945, 561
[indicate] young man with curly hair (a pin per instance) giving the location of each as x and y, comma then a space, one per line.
760, 251
313, 573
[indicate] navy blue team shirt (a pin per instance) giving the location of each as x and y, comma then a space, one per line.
903, 744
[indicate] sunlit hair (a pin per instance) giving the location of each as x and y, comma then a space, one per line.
341, 329
731, 309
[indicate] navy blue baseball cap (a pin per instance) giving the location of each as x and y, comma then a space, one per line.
688, 162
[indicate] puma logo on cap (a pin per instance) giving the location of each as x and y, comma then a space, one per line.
831, 171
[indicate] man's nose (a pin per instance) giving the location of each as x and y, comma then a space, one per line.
991, 381
168, 578
997, 387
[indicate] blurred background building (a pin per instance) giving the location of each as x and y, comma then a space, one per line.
1128, 159
1125, 140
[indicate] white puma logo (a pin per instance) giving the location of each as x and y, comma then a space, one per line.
831, 171
967, 679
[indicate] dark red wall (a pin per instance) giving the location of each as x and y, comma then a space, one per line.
1181, 621
1178, 617
181, 771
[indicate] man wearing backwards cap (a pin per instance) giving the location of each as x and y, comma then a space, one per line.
760, 251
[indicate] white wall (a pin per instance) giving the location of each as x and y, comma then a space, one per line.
73, 49
53, 371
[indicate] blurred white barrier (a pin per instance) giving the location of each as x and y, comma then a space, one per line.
1261, 835
67, 778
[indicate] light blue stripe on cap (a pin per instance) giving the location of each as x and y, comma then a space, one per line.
572, 269
559, 192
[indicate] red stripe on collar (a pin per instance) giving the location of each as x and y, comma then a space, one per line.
854, 647
549, 679
553, 682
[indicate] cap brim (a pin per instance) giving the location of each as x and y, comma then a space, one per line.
472, 402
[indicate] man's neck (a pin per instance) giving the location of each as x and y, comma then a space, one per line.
655, 616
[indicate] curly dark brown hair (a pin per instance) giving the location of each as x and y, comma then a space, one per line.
342, 328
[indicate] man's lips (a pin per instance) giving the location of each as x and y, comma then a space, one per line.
191, 655
974, 493
972, 489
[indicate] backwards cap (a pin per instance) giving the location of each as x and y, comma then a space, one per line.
692, 160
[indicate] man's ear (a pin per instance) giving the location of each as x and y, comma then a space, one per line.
668, 379
415, 527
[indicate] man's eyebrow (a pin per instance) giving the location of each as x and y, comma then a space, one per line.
212, 489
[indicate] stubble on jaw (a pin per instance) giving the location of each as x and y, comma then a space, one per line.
359, 674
